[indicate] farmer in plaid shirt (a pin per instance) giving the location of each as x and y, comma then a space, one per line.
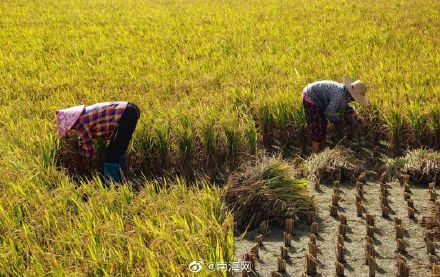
112, 121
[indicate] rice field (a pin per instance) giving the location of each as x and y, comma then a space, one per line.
217, 82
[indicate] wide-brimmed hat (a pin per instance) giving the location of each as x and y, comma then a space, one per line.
357, 89
66, 119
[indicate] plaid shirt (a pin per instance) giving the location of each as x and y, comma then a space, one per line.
98, 121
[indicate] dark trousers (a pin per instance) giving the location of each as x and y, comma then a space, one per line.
122, 135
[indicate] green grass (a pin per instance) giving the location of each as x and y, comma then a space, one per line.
236, 69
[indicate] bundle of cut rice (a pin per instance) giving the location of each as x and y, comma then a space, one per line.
264, 189
331, 165
422, 166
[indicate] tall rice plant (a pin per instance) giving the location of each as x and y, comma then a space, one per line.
50, 148
417, 122
372, 125
266, 120
284, 119
143, 149
299, 124
232, 141
434, 125
163, 143
394, 124
210, 139
185, 144
251, 135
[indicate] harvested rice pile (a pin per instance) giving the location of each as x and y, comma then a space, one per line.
333, 164
264, 189
421, 165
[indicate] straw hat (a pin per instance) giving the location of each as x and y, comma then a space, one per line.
357, 90
67, 118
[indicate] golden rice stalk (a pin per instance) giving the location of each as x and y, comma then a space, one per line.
399, 232
372, 266
313, 249
281, 265
343, 230
313, 238
430, 247
370, 231
249, 257
333, 210
384, 191
314, 228
340, 253
435, 270
401, 245
259, 240
359, 209
255, 250
359, 198
369, 252
433, 259
340, 240
383, 178
339, 268
385, 211
359, 186
335, 199
362, 178
429, 235
369, 241
343, 219
311, 265
287, 239
289, 225
432, 195
284, 253
376, 151
263, 228
369, 219
411, 213
311, 216
337, 186
317, 186
402, 267
384, 201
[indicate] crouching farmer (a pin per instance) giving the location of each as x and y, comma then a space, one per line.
324, 100
111, 121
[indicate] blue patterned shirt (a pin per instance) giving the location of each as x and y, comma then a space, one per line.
331, 98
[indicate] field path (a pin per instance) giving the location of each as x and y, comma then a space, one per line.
385, 244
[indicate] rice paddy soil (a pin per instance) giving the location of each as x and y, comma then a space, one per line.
384, 237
